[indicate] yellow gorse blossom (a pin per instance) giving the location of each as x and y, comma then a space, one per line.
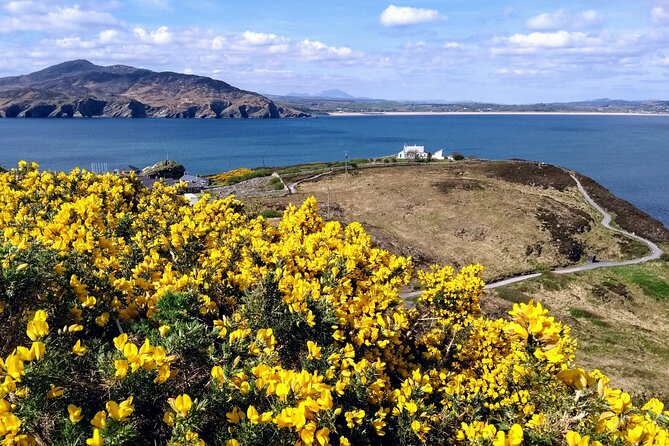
120, 412
181, 404
74, 413
96, 439
79, 349
38, 327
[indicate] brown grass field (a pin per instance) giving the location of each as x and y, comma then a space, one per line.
467, 212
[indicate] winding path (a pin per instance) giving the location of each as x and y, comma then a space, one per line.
655, 251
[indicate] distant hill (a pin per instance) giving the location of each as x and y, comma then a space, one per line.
81, 88
335, 94
325, 94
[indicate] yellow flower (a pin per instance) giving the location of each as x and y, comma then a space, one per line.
654, 405
120, 412
282, 390
514, 437
120, 341
38, 327
55, 392
79, 349
168, 418
164, 372
256, 418
323, 436
121, 366
37, 350
343, 441
100, 420
217, 373
74, 413
314, 350
354, 417
575, 439
102, 320
75, 328
181, 404
163, 329
232, 442
538, 420
235, 416
96, 440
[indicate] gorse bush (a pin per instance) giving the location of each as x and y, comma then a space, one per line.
239, 175
132, 318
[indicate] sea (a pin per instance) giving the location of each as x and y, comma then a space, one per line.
627, 154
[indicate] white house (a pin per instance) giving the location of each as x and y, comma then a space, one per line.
412, 152
439, 155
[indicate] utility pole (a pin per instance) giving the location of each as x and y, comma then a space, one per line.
328, 211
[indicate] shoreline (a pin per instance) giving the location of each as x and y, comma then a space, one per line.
458, 113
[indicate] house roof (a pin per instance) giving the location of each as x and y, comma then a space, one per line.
192, 179
149, 182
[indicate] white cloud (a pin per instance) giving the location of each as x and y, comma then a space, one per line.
75, 42
564, 19
28, 15
159, 36
405, 15
253, 38
517, 72
660, 15
558, 39
313, 50
108, 35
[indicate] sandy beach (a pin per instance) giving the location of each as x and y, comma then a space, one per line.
409, 113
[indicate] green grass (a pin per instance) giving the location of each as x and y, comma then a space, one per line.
651, 284
512, 295
579, 313
276, 183
270, 213
554, 282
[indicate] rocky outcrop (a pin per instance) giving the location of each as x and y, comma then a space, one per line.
90, 107
164, 169
82, 89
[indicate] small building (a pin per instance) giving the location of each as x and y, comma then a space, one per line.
149, 182
194, 183
413, 152
439, 155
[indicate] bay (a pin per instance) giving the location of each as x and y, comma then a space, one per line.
627, 154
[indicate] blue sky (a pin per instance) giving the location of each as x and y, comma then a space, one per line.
495, 50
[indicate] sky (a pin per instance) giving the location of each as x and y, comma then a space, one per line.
504, 51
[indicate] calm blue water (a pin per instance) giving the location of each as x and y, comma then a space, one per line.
627, 154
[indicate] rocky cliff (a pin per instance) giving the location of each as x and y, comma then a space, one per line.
81, 89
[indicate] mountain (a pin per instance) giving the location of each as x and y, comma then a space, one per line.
335, 94
81, 88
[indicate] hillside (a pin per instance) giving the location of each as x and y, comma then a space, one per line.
80, 88
511, 216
